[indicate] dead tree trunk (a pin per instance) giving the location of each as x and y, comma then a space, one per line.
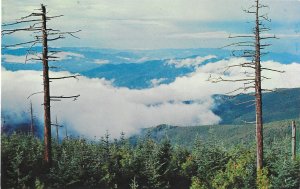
294, 140
258, 96
57, 126
56, 129
252, 46
47, 116
38, 28
31, 118
66, 132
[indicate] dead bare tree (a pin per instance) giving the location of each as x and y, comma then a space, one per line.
251, 47
56, 125
294, 146
31, 119
3, 123
66, 132
42, 35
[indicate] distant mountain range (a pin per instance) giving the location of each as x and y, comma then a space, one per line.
127, 68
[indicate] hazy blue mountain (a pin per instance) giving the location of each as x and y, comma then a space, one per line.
138, 75
128, 68
132, 69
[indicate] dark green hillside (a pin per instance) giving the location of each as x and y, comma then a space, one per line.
283, 104
227, 134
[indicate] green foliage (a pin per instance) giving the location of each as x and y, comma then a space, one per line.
196, 184
39, 184
80, 163
21, 160
287, 175
134, 184
284, 172
239, 173
209, 158
262, 180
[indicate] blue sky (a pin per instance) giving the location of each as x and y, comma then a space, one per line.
155, 24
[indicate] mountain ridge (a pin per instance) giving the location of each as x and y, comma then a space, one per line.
127, 67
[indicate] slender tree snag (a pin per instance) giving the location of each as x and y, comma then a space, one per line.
66, 132
293, 140
56, 129
56, 125
31, 118
47, 115
251, 49
258, 97
42, 35
2, 124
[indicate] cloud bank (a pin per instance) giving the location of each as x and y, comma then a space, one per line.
102, 106
154, 24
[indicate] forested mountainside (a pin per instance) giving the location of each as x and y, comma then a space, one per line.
226, 134
278, 105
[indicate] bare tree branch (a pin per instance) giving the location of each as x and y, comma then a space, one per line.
31, 15
243, 43
53, 124
56, 38
245, 102
50, 17
241, 36
245, 89
273, 70
219, 79
11, 31
29, 42
66, 77
35, 94
65, 97
19, 22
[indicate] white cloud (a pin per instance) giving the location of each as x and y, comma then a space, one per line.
101, 61
156, 82
141, 60
15, 47
31, 58
134, 60
19, 59
124, 58
103, 107
68, 55
189, 62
